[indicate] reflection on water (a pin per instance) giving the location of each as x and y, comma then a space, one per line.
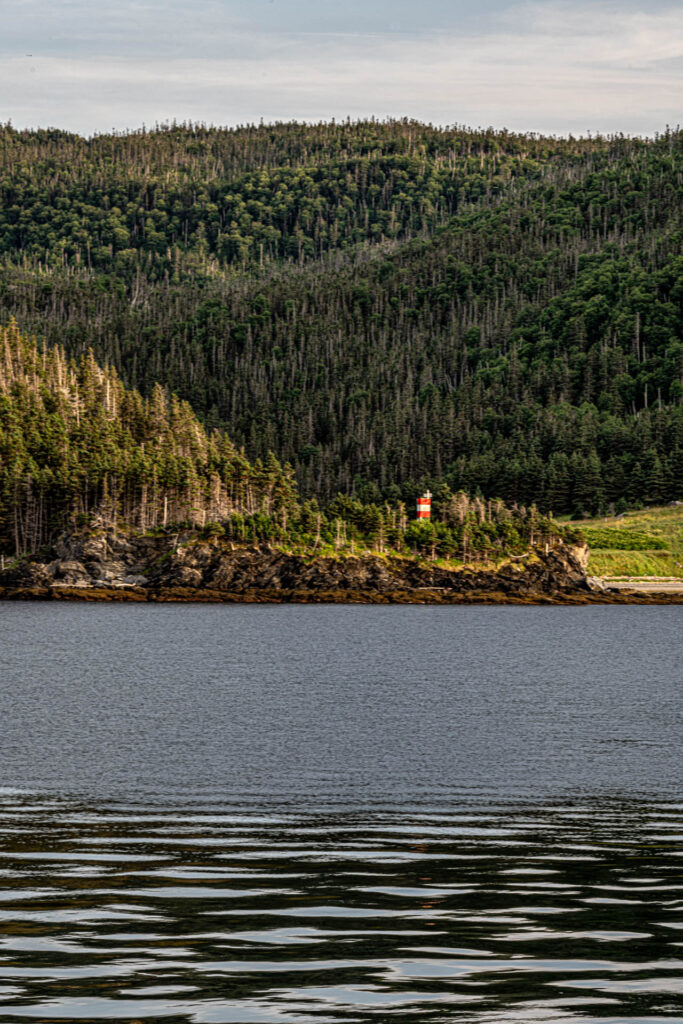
476, 913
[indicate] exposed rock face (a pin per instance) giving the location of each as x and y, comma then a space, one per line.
165, 564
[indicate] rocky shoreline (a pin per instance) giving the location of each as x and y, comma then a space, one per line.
110, 566
138, 595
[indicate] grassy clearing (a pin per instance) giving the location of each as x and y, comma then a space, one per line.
664, 525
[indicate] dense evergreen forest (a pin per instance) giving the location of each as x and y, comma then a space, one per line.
383, 305
78, 449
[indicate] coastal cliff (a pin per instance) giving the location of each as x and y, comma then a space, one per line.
106, 565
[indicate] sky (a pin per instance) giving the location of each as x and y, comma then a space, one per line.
545, 66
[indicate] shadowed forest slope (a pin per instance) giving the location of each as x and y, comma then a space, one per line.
79, 450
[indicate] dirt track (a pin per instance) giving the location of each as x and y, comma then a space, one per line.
647, 586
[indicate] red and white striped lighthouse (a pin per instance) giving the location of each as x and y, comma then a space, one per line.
424, 506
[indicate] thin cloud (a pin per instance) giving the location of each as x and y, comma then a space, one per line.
550, 68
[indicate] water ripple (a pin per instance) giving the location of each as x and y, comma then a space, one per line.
422, 920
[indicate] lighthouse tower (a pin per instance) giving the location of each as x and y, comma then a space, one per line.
424, 506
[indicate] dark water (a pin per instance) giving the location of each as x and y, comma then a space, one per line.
298, 814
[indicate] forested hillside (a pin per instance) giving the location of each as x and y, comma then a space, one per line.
78, 449
381, 305
246, 197
75, 443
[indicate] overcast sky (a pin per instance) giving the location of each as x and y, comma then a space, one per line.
544, 65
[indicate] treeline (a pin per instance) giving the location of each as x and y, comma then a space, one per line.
526, 343
79, 449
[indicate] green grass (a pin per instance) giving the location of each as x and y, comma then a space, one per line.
611, 537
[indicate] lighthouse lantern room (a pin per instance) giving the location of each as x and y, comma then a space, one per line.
424, 506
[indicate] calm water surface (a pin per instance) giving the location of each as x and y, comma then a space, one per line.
326, 814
